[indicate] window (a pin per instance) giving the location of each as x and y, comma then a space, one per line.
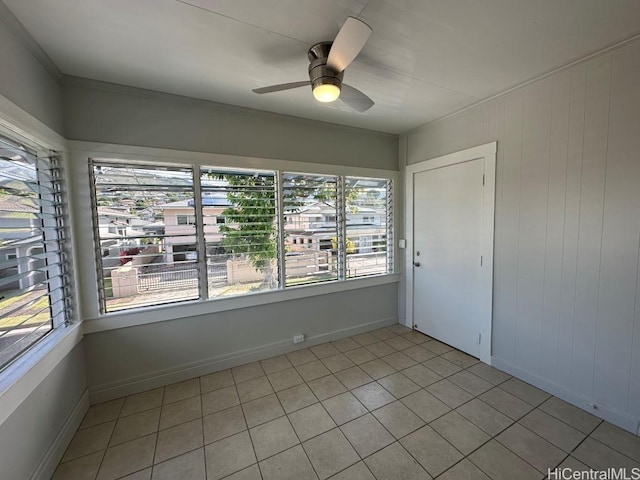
35, 293
197, 233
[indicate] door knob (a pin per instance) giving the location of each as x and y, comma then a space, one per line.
416, 264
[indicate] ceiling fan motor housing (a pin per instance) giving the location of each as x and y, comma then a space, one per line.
319, 73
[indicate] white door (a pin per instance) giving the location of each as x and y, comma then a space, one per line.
448, 301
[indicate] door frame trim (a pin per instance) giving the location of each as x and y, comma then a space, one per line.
488, 152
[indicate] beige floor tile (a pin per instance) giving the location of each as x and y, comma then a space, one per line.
344, 407
553, 430
524, 391
336, 363
223, 424
418, 353
399, 343
398, 385
127, 458
102, 413
218, 400
506, 403
464, 470
262, 410
618, 439
460, 432
399, 361
311, 371
460, 358
373, 395
532, 448
229, 455
359, 471
324, 350
377, 369
501, 464
360, 355
416, 337
353, 377
284, 379
600, 457
180, 412
574, 416
179, 391
177, 440
398, 419
139, 475
345, 344
275, 364
380, 349
330, 453
311, 421
295, 398
399, 329
142, 401
488, 373
431, 451
367, 435
326, 387
451, 394
482, 415
364, 339
249, 473
136, 425
421, 375
437, 347
83, 468
256, 388
187, 466
216, 381
89, 440
247, 372
382, 334
425, 405
442, 366
300, 357
292, 464
470, 382
394, 463
273, 437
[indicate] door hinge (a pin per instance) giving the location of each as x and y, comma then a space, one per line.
483, 179
479, 338
481, 259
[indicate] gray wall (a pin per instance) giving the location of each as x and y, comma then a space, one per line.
143, 354
24, 79
30, 430
566, 273
108, 113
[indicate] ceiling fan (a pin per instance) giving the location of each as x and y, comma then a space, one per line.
328, 61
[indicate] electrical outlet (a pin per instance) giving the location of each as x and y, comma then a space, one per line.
298, 338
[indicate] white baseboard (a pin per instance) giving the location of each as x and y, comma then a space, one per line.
612, 415
159, 378
49, 462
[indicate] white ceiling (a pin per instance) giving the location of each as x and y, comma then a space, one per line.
425, 58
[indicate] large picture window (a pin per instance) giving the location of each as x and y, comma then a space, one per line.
35, 293
170, 233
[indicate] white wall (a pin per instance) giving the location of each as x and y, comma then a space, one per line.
567, 228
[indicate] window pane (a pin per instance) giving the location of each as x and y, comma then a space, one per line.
29, 260
310, 226
145, 223
239, 217
368, 216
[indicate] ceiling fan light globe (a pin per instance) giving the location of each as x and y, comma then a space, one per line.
326, 93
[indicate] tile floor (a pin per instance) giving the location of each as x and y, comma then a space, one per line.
390, 404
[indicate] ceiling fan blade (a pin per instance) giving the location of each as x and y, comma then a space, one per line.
282, 86
355, 98
348, 43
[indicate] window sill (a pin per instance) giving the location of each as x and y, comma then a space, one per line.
24, 375
161, 313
